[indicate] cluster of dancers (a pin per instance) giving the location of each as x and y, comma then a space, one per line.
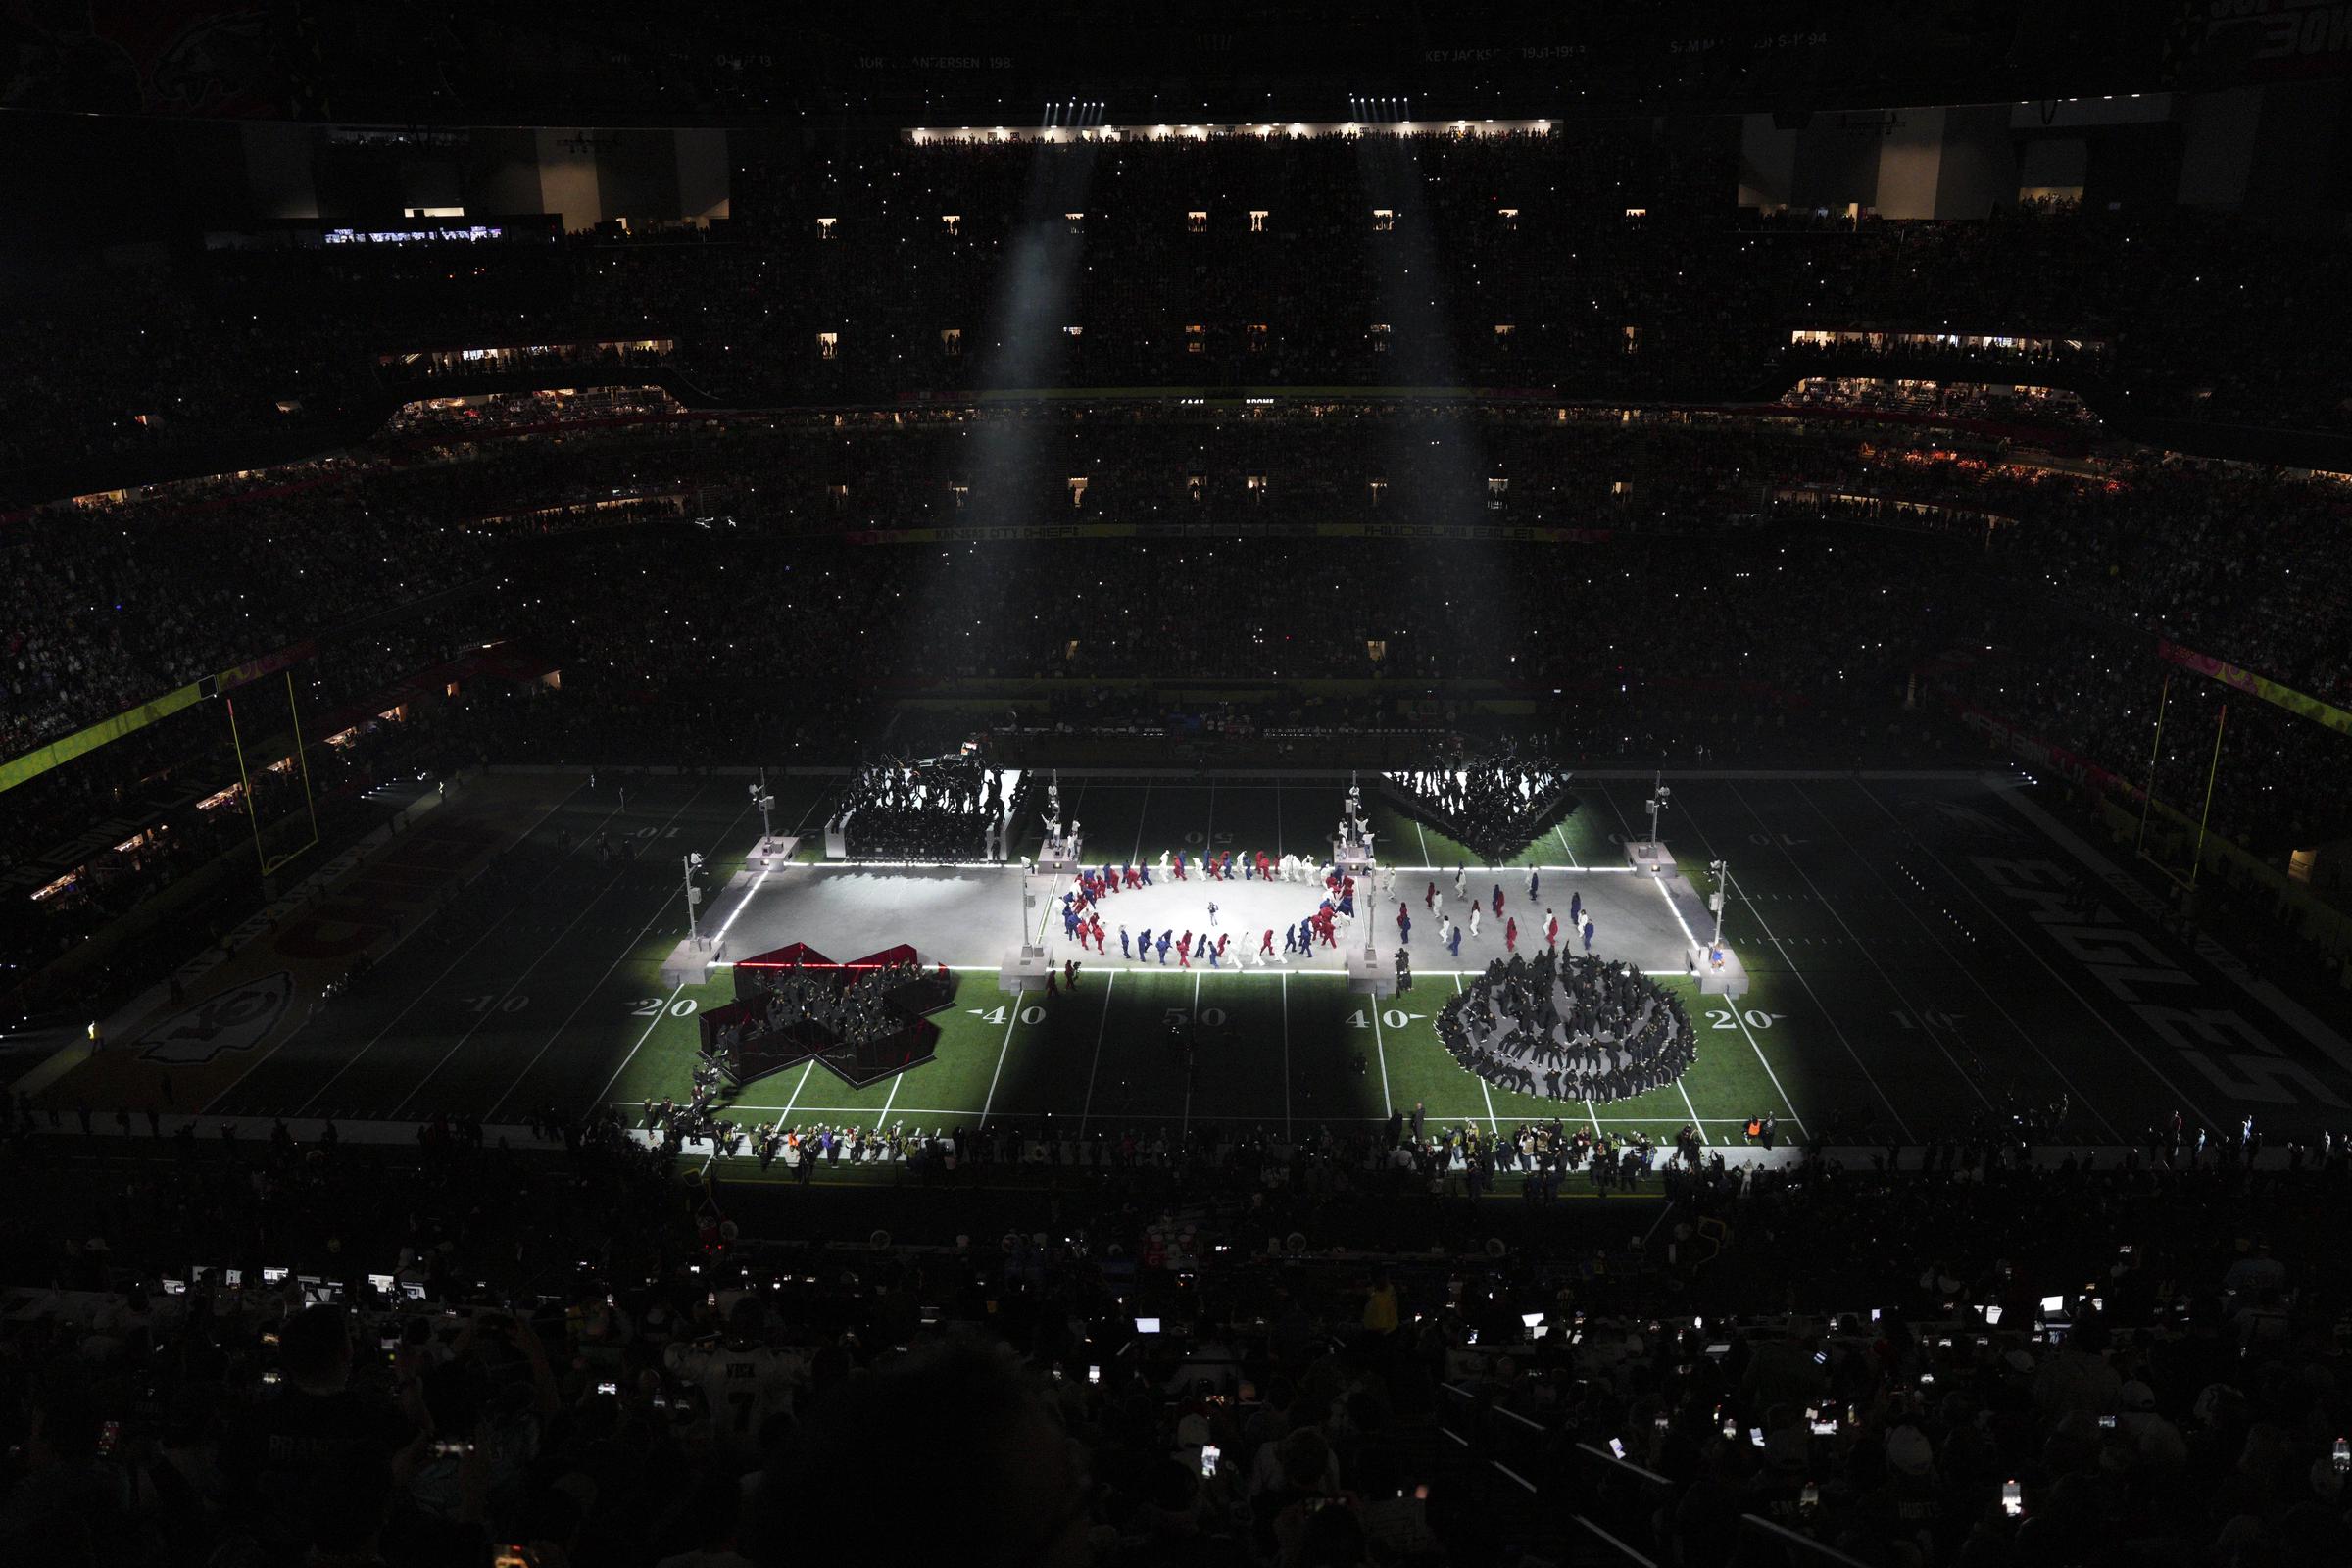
1569, 1027
1082, 905
1497, 805
940, 808
1449, 930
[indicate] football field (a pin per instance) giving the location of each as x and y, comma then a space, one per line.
1927, 951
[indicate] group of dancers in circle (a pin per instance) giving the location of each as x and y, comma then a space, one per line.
1091, 889
1569, 1026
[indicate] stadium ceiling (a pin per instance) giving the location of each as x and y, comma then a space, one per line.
749, 62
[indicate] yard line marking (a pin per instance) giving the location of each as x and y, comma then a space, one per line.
659, 911
1286, 1054
1381, 1046
1096, 1066
1671, 908
1424, 838
1014, 1018
1693, 1109
1142, 815
339, 1073
1278, 819
406, 931
2014, 936
966, 1112
2032, 1044
1709, 846
1885, 978
1561, 831
888, 1099
1493, 1125
666, 1003
794, 1097
1209, 835
1618, 812
1192, 1059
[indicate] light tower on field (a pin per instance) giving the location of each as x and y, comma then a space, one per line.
768, 805
1661, 795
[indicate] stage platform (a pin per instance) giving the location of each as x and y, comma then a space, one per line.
973, 917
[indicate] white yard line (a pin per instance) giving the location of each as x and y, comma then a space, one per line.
629, 948
1927, 930
1758, 916
1088, 1110
1286, 1056
1493, 1125
1012, 1022
2015, 936
1733, 1003
607, 1092
1868, 954
1142, 815
806, 1070
426, 991
882, 1118
1191, 1058
1382, 1046
1559, 830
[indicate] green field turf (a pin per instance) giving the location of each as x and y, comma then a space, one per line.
1922, 952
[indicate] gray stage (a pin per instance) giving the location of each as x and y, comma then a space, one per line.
972, 917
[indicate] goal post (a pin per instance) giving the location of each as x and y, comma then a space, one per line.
281, 843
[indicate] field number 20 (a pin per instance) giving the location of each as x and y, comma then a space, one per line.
1725, 1018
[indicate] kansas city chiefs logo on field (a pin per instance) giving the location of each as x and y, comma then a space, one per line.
237, 1019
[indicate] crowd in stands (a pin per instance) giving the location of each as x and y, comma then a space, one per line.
1990, 402
1603, 266
722, 600
420, 1356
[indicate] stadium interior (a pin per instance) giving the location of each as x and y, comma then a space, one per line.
1696, 657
